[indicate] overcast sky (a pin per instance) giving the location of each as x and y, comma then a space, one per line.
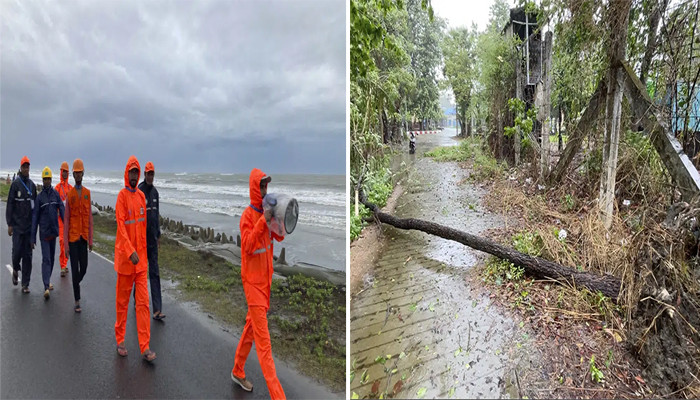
463, 13
197, 86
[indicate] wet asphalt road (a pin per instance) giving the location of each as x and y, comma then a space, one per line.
49, 351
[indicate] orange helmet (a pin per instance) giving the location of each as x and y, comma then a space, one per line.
25, 160
78, 165
149, 167
64, 166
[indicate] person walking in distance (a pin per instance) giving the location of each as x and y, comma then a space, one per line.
63, 187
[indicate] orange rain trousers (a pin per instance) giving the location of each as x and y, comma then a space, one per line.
143, 322
63, 187
62, 255
256, 331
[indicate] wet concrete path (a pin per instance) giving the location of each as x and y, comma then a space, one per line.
417, 320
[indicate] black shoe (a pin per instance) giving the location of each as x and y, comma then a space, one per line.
15, 275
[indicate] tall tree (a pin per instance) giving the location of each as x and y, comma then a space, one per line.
426, 55
496, 75
458, 49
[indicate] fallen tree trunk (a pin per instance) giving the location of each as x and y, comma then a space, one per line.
534, 266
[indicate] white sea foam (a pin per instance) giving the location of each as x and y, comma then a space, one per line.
228, 194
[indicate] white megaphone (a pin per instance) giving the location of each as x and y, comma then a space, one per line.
285, 212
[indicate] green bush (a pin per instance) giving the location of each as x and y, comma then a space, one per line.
484, 166
592, 164
4, 191
307, 295
356, 224
568, 202
466, 150
528, 243
641, 173
499, 271
378, 186
201, 283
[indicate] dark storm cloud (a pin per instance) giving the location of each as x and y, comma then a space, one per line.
192, 86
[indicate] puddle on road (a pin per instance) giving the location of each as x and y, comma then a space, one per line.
417, 328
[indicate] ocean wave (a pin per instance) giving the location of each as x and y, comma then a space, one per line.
320, 206
322, 196
105, 190
325, 217
220, 206
101, 180
322, 221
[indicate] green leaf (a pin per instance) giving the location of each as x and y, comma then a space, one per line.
421, 392
354, 396
365, 377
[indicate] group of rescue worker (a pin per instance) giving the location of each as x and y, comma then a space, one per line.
65, 212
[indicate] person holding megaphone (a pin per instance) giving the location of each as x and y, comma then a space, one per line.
256, 273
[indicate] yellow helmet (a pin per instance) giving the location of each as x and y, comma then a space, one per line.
46, 173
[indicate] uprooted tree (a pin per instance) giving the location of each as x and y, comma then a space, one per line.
535, 266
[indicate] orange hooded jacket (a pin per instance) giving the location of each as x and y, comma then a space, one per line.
63, 188
256, 247
131, 225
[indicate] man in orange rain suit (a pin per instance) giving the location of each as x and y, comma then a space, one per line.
77, 229
131, 261
63, 187
256, 273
